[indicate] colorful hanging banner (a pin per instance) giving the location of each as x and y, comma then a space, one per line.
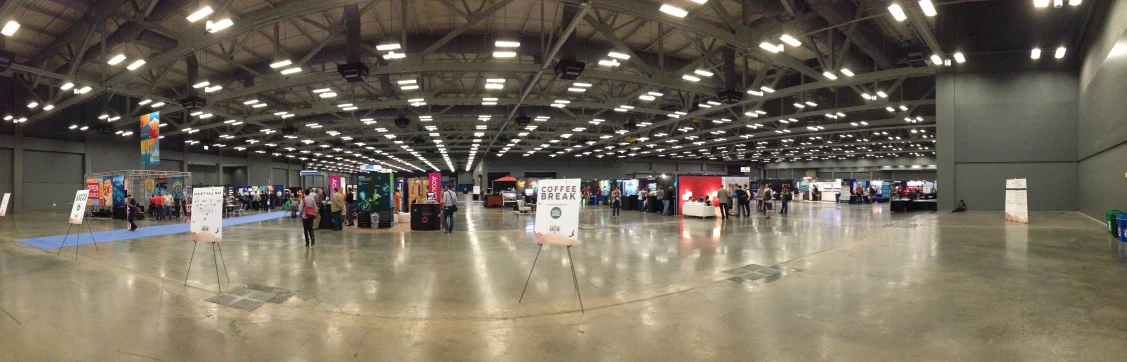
93, 197
118, 191
334, 183
106, 191
150, 139
434, 183
176, 187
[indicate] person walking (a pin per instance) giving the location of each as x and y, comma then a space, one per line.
615, 199
741, 202
349, 206
309, 211
767, 197
450, 206
319, 198
131, 208
337, 206
724, 199
785, 198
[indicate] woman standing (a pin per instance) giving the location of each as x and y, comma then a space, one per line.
615, 201
309, 211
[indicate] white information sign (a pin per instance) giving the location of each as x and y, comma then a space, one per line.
4, 204
207, 214
557, 212
78, 210
477, 190
1017, 201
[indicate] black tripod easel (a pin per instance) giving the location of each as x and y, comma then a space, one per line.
214, 246
17, 230
77, 238
574, 280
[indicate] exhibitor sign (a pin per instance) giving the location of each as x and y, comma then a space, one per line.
207, 214
78, 209
4, 205
557, 212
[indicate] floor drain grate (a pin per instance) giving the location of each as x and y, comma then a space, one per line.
754, 274
251, 296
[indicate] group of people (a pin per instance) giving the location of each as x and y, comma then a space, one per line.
309, 203
161, 206
738, 196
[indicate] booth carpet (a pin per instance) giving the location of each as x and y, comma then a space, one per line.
83, 235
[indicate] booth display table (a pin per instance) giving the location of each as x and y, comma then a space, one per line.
698, 209
327, 217
494, 201
426, 217
630, 202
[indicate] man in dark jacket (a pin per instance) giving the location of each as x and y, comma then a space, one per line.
349, 206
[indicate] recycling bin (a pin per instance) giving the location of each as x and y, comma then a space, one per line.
1122, 220
1112, 225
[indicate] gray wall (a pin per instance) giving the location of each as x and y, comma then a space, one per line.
1102, 127
995, 123
42, 185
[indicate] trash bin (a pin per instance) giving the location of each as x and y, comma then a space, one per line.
1112, 225
1122, 220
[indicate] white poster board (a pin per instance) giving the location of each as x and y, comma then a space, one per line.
207, 214
4, 204
78, 210
1017, 202
557, 212
477, 190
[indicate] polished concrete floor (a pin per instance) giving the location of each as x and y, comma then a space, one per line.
833, 283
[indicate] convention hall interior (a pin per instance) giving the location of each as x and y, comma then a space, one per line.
563, 180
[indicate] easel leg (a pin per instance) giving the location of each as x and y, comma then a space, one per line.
60, 253
216, 268
530, 273
224, 260
574, 279
194, 244
91, 231
14, 227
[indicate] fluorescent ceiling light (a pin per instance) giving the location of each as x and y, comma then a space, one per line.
935, 58
200, 14
882, 94
755, 93
786, 38
114, 118
144, 102
830, 75
116, 59
767, 89
495, 80
391, 46
48, 107
1036, 53
67, 86
655, 94
927, 7
507, 44
799, 105
412, 100
157, 105
577, 90
690, 78
584, 85
407, 81
673, 10
280, 63
494, 86
394, 55
410, 87
33, 104
618, 55
1074, 2
259, 105
959, 58
201, 84
1041, 3
10, 28
504, 54
609, 63
812, 104
291, 70
897, 12
218, 25
212, 88
771, 47
847, 72
1060, 53
328, 95
702, 72
322, 90
646, 97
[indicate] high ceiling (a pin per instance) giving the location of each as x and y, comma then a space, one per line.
437, 78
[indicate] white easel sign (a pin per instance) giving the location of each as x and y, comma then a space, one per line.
557, 212
78, 210
4, 204
1017, 200
207, 215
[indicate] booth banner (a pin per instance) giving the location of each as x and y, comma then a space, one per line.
434, 182
334, 183
629, 187
118, 190
382, 192
106, 191
693, 188
176, 186
1017, 202
150, 139
150, 188
207, 215
557, 212
78, 209
4, 204
93, 197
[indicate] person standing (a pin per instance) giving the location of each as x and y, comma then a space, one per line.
615, 199
785, 199
724, 199
767, 197
659, 200
450, 206
337, 206
670, 196
166, 204
349, 207
319, 198
309, 212
131, 211
741, 201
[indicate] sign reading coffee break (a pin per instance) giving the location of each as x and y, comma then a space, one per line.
78, 209
557, 212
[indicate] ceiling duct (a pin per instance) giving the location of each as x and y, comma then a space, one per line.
193, 100
354, 70
729, 95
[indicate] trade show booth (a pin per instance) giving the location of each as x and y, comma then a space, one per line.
108, 190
